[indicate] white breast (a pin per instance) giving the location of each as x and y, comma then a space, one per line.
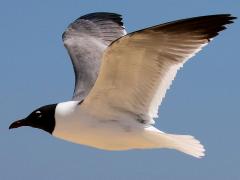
76, 125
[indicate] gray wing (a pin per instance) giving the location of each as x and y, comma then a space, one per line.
85, 40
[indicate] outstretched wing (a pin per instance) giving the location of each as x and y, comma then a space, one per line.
138, 68
86, 39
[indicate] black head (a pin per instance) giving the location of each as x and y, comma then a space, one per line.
42, 118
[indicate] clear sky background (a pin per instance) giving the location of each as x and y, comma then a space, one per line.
35, 70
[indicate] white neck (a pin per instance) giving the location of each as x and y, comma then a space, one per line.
65, 114
72, 122
64, 109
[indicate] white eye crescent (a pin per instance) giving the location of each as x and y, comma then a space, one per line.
39, 114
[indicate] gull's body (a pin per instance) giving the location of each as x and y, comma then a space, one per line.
121, 81
109, 133
118, 131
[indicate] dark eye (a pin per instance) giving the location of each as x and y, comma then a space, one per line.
38, 114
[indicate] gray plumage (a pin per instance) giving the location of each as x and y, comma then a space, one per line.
86, 39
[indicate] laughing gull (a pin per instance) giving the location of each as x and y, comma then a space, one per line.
120, 81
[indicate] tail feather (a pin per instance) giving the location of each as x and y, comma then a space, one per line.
184, 143
187, 144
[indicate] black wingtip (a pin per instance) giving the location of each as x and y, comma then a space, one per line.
231, 18
97, 17
208, 26
117, 18
228, 17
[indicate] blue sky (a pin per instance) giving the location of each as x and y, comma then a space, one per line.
35, 70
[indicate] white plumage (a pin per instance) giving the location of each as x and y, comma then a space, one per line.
136, 71
121, 81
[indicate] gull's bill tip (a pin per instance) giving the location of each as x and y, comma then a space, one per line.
17, 124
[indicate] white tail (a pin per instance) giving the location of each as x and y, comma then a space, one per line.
184, 143
187, 144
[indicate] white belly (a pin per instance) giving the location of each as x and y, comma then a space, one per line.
108, 135
116, 131
114, 134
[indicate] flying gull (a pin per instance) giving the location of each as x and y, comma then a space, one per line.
120, 81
